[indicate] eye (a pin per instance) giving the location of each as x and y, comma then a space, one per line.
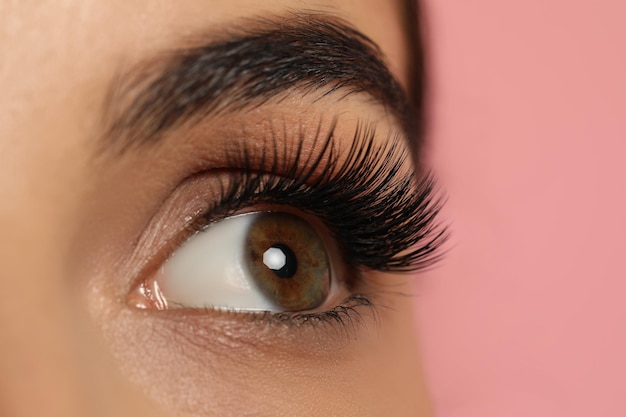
267, 261
362, 211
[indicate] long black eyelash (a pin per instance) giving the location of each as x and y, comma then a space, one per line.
382, 216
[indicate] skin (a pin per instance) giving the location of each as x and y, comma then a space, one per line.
71, 343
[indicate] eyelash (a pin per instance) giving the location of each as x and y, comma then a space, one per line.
382, 218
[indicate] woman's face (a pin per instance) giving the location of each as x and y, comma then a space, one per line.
146, 147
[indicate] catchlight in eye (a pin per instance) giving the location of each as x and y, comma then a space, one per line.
263, 261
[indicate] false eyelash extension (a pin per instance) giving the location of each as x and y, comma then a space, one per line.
382, 218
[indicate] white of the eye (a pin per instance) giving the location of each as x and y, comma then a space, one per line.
274, 258
209, 270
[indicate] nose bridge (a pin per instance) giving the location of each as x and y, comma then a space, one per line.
37, 349
38, 374
53, 361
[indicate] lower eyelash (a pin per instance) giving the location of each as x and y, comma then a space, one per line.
346, 313
352, 312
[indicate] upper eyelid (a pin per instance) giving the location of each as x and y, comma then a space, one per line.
194, 159
404, 208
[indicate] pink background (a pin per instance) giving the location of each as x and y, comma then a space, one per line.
527, 314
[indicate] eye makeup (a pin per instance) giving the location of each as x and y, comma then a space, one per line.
379, 213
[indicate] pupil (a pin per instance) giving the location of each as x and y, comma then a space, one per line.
281, 260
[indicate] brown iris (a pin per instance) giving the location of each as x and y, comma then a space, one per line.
288, 261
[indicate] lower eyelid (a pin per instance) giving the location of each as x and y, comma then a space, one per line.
316, 334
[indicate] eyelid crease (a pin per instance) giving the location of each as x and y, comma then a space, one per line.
355, 312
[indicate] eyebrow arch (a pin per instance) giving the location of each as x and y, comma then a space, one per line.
307, 53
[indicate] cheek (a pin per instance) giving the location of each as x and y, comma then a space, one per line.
189, 364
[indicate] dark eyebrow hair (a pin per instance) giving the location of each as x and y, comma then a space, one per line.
307, 53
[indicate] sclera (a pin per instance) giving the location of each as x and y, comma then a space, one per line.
208, 270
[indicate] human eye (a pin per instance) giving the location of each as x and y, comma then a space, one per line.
259, 261
293, 233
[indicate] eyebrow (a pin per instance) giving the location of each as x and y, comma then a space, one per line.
304, 53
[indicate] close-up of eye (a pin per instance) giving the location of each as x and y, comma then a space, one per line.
312, 208
339, 216
246, 207
265, 261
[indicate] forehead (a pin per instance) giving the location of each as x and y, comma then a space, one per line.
59, 58
76, 35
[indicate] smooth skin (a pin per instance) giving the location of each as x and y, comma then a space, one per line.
70, 343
